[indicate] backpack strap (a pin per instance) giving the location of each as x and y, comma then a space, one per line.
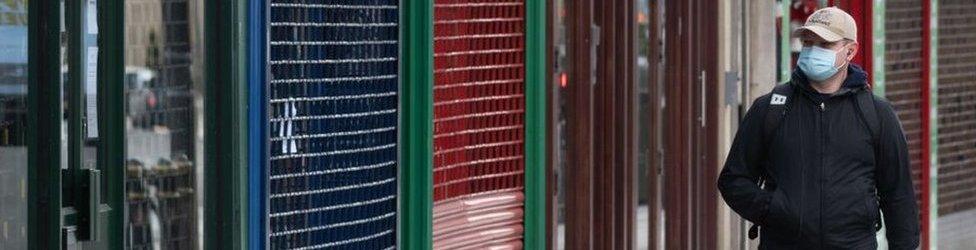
864, 102
864, 105
779, 104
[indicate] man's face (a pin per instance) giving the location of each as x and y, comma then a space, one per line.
845, 49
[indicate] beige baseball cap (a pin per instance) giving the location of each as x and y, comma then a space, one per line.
831, 24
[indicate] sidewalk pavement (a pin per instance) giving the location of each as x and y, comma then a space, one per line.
957, 231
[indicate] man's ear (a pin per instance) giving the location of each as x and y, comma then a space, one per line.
852, 51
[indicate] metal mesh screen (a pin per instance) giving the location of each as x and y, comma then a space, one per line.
957, 106
333, 123
903, 75
479, 109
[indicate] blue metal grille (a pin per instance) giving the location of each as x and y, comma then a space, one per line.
333, 124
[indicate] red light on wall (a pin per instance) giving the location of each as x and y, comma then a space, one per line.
563, 79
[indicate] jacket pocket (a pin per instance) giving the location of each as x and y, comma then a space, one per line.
781, 221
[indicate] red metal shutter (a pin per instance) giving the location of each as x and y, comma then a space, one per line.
479, 109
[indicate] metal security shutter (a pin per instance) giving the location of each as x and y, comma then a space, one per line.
957, 106
333, 124
903, 75
479, 123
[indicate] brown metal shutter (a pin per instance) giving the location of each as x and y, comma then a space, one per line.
903, 75
957, 105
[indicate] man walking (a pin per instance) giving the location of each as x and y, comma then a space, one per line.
814, 161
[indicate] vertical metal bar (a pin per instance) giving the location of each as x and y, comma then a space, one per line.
44, 125
933, 136
257, 135
786, 55
607, 84
579, 171
74, 92
633, 123
925, 111
929, 137
603, 128
628, 207
878, 41
225, 103
932, 221
535, 125
552, 117
745, 56
611, 151
618, 74
674, 147
598, 131
654, 155
695, 137
685, 124
671, 146
79, 199
112, 115
866, 22
710, 163
623, 140
417, 121
75, 96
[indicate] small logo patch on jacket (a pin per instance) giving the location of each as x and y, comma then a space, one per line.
777, 100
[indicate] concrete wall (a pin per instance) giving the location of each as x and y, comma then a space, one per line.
747, 51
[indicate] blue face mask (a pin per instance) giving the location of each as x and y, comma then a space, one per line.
818, 63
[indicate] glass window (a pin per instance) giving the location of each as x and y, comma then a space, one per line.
164, 123
13, 124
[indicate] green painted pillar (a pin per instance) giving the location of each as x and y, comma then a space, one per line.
535, 128
417, 121
933, 124
878, 48
785, 54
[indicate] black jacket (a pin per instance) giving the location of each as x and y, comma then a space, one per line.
825, 177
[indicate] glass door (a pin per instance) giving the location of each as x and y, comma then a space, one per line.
73, 123
163, 117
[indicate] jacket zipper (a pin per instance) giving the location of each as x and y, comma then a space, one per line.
823, 140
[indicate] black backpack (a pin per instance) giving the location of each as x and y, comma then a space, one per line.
779, 106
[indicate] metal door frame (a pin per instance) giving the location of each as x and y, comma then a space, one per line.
44, 126
257, 132
50, 224
225, 123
